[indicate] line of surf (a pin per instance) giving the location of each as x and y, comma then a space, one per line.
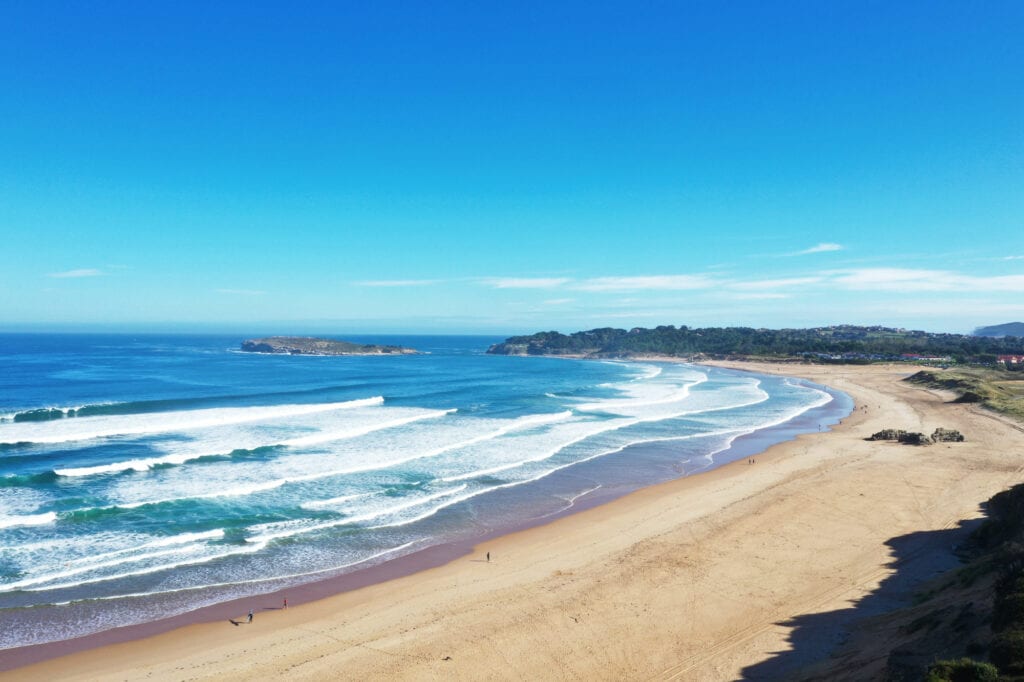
611, 404
521, 423
91, 428
824, 399
268, 533
615, 426
235, 583
15, 521
185, 457
189, 547
191, 561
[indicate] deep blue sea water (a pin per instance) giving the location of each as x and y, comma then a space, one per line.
148, 475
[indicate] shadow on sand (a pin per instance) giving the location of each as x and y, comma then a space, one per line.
917, 558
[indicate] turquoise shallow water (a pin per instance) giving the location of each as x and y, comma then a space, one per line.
144, 476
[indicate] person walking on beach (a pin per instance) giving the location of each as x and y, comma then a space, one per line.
250, 615
286, 602
488, 557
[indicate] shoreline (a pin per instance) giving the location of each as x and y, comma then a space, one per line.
737, 549
429, 557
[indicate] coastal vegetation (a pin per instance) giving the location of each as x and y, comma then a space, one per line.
841, 343
305, 345
995, 555
996, 389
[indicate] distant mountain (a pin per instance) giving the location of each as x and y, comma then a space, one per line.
997, 330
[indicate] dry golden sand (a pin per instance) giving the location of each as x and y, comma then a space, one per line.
691, 580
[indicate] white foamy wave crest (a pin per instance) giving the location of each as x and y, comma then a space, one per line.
90, 428
642, 396
822, 400
522, 423
276, 579
192, 545
589, 430
127, 465
430, 512
27, 520
237, 491
363, 430
335, 501
169, 541
649, 372
251, 443
592, 429
468, 496
187, 561
284, 529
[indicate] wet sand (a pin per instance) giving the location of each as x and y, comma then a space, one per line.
691, 579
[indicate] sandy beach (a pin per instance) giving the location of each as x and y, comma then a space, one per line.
703, 578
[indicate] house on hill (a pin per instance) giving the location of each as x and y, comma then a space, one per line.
915, 357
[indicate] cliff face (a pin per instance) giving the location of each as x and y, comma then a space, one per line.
304, 345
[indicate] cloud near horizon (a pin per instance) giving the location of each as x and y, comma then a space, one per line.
81, 272
397, 282
646, 283
820, 248
759, 296
896, 280
775, 283
911, 280
525, 282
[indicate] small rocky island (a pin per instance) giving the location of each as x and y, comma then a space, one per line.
305, 345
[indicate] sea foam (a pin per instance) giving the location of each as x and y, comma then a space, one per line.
90, 428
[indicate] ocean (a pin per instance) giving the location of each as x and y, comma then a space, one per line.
144, 476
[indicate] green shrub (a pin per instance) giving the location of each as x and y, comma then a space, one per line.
1008, 612
1007, 652
962, 670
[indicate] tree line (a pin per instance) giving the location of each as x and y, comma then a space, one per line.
844, 340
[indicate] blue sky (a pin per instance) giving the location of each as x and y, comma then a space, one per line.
510, 167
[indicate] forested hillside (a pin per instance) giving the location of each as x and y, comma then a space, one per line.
840, 343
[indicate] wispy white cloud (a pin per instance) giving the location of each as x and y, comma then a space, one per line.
1012, 258
913, 280
819, 248
525, 282
635, 315
646, 283
643, 290
241, 292
398, 282
758, 296
82, 272
775, 283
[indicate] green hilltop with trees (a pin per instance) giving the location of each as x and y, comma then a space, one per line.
841, 343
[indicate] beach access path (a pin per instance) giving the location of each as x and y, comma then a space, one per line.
695, 579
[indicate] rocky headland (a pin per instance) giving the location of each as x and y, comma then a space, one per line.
305, 345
